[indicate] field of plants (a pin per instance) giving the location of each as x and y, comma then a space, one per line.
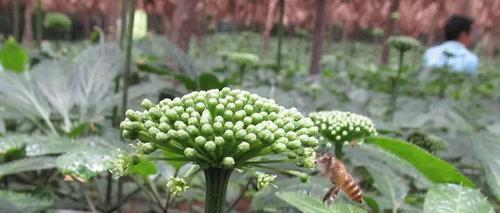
254, 114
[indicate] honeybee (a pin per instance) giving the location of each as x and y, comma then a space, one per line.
334, 169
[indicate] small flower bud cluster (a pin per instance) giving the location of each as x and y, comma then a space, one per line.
122, 163
176, 186
222, 128
240, 58
343, 127
403, 43
265, 180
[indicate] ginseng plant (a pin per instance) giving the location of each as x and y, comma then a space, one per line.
219, 131
342, 128
402, 44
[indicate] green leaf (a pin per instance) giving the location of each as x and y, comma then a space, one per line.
13, 57
144, 168
78, 130
372, 203
149, 68
437, 170
487, 147
307, 203
187, 82
176, 164
304, 202
27, 164
451, 198
392, 188
15, 202
209, 81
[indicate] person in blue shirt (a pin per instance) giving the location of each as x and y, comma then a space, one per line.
453, 53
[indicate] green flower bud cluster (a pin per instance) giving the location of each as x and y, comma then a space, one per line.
343, 127
222, 128
241, 58
265, 180
403, 43
176, 186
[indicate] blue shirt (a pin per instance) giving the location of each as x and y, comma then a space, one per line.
452, 54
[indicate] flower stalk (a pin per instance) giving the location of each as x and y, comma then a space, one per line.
216, 180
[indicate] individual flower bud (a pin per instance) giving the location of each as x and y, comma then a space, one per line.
146, 148
295, 144
219, 141
291, 155
228, 135
153, 130
164, 127
243, 147
250, 137
172, 115
206, 129
248, 109
148, 124
228, 162
265, 180
147, 104
228, 115
200, 140
309, 162
179, 125
218, 127
192, 130
210, 146
241, 134
161, 137
133, 115
176, 186
279, 147
190, 152
239, 115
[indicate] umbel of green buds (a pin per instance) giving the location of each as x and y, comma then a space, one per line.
221, 130
403, 43
343, 127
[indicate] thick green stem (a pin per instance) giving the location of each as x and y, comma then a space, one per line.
216, 180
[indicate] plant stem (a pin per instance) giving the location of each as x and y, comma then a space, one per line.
128, 55
123, 26
280, 35
216, 180
395, 87
338, 149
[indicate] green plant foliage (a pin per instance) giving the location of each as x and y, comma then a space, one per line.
27, 164
391, 187
144, 168
307, 203
15, 202
13, 57
57, 21
437, 170
487, 147
451, 198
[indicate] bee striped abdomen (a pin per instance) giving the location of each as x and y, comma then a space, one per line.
352, 190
